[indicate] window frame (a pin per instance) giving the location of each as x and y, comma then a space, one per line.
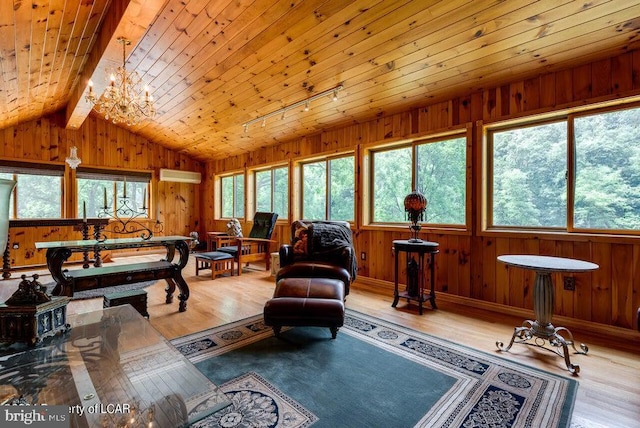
488, 169
327, 159
271, 169
234, 176
116, 176
16, 168
464, 131
487, 228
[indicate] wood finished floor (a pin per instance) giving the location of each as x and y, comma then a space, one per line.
609, 391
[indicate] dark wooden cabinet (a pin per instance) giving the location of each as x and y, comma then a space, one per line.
32, 323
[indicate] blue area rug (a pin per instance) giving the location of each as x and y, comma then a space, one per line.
375, 374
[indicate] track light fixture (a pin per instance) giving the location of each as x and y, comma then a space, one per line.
282, 111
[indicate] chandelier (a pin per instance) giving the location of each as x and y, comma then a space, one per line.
73, 160
124, 100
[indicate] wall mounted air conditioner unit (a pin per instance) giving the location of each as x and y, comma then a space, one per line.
177, 176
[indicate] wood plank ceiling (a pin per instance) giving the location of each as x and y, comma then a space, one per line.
213, 65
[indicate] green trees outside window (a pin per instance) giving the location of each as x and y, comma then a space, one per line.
92, 193
38, 192
272, 191
232, 195
607, 190
328, 189
530, 172
97, 188
529, 168
440, 174
391, 183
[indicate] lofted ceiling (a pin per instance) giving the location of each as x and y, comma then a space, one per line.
213, 65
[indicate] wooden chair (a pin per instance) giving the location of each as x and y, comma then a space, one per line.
256, 247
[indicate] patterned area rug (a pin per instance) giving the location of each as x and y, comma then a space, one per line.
257, 403
468, 388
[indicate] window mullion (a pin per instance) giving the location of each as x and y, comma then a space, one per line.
571, 171
273, 188
328, 191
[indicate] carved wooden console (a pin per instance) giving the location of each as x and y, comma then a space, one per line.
67, 282
77, 223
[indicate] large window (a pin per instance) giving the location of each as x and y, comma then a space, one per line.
100, 188
328, 189
232, 196
272, 191
537, 171
529, 169
607, 175
38, 191
437, 168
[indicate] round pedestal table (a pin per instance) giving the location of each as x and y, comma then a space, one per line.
541, 330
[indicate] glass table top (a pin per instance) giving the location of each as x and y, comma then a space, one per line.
111, 366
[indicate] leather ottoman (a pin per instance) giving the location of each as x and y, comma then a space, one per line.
316, 302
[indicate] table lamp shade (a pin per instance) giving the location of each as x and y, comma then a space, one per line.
415, 204
6, 187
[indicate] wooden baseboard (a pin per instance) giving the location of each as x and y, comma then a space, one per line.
593, 328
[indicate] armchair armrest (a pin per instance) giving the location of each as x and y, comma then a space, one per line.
247, 239
286, 255
224, 240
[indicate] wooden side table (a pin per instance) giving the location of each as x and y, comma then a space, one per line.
543, 304
416, 271
211, 239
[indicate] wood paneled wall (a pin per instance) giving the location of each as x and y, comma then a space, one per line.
467, 265
100, 144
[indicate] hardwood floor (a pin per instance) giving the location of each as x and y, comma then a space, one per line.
609, 391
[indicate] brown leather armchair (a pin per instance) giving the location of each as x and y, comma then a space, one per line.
319, 249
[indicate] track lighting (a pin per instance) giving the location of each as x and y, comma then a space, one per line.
282, 111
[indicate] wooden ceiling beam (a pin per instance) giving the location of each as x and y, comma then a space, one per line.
125, 18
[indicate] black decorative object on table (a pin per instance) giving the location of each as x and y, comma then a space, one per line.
30, 315
126, 217
415, 205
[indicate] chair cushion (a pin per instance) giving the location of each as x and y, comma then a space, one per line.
263, 224
230, 249
214, 255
